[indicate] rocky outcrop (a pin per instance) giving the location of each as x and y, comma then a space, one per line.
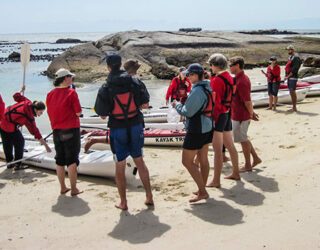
312, 62
309, 72
69, 40
269, 32
162, 53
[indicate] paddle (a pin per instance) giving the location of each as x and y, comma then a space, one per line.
25, 59
23, 159
88, 108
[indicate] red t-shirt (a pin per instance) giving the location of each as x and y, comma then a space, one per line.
219, 88
23, 106
2, 107
239, 111
273, 75
174, 88
62, 106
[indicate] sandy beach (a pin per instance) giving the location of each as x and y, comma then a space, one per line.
274, 207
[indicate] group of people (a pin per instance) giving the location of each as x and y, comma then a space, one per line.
217, 111
273, 75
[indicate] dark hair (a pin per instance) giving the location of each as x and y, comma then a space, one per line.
38, 105
115, 67
237, 60
58, 81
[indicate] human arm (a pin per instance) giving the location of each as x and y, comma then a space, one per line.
103, 105
194, 103
44, 143
170, 90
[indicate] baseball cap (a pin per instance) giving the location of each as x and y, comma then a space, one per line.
63, 72
290, 47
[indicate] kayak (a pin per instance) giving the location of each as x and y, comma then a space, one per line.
93, 163
261, 99
152, 137
164, 125
311, 79
264, 87
152, 117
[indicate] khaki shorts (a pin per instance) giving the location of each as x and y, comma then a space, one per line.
240, 130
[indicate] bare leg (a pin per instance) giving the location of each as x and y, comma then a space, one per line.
228, 142
275, 101
121, 184
144, 176
92, 140
270, 102
246, 148
294, 100
217, 144
61, 177
256, 158
73, 175
193, 169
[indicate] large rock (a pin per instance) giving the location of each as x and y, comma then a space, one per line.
162, 53
309, 72
312, 62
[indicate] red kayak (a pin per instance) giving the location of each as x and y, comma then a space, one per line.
299, 85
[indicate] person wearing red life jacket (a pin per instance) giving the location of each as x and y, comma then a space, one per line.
22, 113
223, 88
2, 108
179, 88
292, 68
198, 110
274, 78
64, 110
120, 99
242, 113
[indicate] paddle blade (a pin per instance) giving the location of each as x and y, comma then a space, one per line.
25, 54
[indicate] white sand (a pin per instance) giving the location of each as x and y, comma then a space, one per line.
275, 207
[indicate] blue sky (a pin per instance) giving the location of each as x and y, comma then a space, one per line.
31, 16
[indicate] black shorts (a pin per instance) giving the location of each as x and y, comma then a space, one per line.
273, 88
197, 141
224, 123
67, 145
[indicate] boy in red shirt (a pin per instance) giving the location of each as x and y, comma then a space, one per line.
273, 76
222, 86
179, 88
242, 113
64, 110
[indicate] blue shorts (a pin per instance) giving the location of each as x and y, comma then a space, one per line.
273, 88
292, 83
127, 141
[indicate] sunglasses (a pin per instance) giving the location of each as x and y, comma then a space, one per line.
232, 64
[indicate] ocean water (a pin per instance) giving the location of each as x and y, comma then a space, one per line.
37, 85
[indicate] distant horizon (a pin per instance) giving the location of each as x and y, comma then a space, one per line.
223, 30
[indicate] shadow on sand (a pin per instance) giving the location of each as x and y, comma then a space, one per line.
266, 184
24, 176
139, 228
243, 196
70, 206
217, 212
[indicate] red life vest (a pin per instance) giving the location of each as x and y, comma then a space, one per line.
208, 110
288, 67
230, 91
14, 112
124, 106
181, 91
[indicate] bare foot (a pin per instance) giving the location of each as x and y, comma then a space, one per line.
245, 169
64, 191
214, 185
233, 176
149, 203
269, 108
256, 162
76, 192
199, 197
225, 158
123, 207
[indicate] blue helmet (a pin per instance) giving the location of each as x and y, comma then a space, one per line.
195, 68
